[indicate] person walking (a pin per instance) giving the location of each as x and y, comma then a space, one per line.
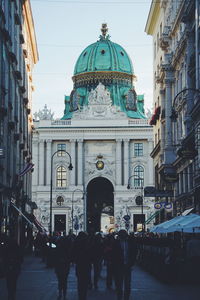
13, 258
62, 264
124, 252
82, 257
96, 249
108, 244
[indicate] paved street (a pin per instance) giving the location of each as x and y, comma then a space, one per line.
37, 282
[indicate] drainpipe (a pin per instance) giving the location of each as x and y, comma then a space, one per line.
197, 41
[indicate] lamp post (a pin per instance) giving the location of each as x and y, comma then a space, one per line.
174, 113
141, 196
70, 167
72, 211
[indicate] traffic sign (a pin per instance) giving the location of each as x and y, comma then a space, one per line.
151, 191
127, 217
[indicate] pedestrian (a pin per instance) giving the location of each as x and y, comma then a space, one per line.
62, 264
124, 252
108, 244
13, 260
82, 257
96, 250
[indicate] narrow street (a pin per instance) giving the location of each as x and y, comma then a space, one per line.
37, 282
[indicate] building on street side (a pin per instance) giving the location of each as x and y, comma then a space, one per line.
18, 56
174, 26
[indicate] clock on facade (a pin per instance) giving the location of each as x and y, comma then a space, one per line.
100, 164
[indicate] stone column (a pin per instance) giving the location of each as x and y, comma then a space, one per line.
36, 162
80, 162
168, 153
48, 162
162, 131
118, 170
126, 161
73, 157
41, 162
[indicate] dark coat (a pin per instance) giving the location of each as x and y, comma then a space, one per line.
117, 253
63, 253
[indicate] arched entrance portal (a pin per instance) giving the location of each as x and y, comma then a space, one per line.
100, 205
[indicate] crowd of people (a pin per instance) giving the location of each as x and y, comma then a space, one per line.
165, 257
88, 252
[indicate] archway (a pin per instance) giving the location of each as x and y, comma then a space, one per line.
100, 205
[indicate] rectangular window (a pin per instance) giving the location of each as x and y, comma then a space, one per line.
138, 149
60, 148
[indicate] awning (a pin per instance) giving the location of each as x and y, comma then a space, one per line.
187, 211
189, 223
33, 222
38, 225
22, 214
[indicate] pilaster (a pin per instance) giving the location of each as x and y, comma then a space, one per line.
48, 162
80, 162
118, 162
41, 162
126, 161
73, 157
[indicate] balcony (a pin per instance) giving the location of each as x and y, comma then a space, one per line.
155, 116
12, 57
164, 41
18, 75
3, 112
11, 125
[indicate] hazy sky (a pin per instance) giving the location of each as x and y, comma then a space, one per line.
64, 28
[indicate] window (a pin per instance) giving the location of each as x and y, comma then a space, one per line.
61, 147
138, 176
138, 149
61, 177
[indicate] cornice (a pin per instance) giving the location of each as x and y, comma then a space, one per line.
152, 17
89, 77
95, 129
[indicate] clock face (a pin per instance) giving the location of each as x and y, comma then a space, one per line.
100, 164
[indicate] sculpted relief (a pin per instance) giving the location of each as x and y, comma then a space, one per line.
99, 106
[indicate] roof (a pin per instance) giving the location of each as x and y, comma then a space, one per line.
104, 55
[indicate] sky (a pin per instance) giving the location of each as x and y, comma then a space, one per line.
65, 28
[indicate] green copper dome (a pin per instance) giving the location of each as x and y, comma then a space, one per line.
104, 55
106, 63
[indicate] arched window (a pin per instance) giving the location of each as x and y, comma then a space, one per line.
61, 177
138, 176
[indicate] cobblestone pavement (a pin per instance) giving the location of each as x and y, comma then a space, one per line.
37, 282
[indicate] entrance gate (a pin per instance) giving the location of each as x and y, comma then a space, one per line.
100, 205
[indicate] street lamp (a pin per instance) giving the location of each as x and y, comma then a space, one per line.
174, 113
70, 167
72, 211
139, 198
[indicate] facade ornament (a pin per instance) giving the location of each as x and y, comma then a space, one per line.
99, 106
44, 114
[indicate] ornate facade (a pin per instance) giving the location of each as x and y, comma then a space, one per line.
174, 26
108, 149
18, 56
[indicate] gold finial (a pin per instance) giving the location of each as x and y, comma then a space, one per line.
104, 29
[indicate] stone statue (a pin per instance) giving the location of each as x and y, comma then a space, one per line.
44, 114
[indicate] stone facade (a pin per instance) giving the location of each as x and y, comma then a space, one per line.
112, 144
174, 27
18, 56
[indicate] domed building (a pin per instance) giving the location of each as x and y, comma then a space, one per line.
106, 136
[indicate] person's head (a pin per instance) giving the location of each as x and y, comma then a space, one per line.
122, 234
